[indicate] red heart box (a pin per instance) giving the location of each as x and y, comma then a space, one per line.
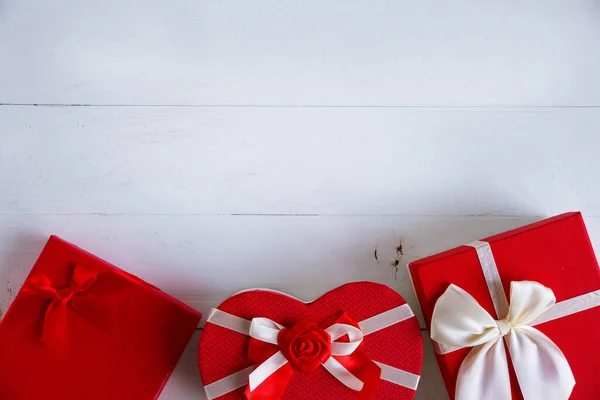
223, 352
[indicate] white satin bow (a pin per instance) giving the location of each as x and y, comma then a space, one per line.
268, 331
542, 370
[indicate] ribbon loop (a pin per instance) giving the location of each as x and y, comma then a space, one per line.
265, 330
336, 331
458, 320
528, 300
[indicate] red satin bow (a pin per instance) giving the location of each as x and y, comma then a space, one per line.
74, 297
357, 363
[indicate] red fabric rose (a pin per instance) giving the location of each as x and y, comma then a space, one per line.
305, 346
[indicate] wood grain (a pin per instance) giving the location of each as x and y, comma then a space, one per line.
309, 161
203, 259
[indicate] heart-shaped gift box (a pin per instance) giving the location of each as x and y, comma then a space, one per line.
360, 340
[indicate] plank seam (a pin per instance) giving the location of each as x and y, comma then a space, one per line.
275, 215
407, 106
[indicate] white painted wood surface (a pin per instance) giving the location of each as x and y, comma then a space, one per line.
210, 147
334, 161
300, 52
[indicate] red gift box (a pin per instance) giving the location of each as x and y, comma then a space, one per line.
556, 253
262, 344
81, 328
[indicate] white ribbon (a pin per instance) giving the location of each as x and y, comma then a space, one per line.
542, 371
267, 330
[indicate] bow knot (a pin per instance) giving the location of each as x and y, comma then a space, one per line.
65, 294
333, 344
504, 326
541, 368
73, 296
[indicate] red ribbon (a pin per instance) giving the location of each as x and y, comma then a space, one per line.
75, 297
357, 363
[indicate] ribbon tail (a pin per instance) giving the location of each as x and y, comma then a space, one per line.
484, 373
542, 369
270, 379
356, 371
55, 322
336, 369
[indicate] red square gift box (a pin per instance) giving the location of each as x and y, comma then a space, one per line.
81, 328
358, 341
516, 315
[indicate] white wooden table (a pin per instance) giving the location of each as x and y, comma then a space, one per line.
209, 147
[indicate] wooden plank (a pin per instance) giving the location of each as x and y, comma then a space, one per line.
204, 259
317, 161
308, 52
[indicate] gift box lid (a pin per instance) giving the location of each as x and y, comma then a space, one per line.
81, 328
555, 252
391, 343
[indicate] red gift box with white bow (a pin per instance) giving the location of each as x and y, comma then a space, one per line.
358, 341
516, 315
80, 328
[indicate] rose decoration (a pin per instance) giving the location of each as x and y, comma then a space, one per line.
333, 344
306, 346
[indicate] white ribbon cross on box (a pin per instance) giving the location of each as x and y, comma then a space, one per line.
257, 327
458, 321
